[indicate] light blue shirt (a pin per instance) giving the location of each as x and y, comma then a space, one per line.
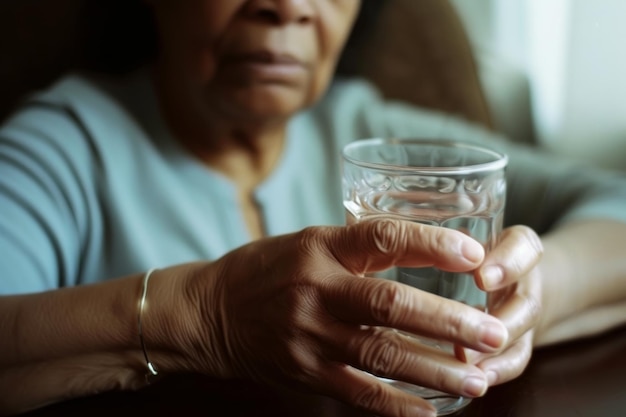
93, 185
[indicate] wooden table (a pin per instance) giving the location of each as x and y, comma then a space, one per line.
582, 379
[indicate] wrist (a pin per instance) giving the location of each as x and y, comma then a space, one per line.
167, 321
180, 324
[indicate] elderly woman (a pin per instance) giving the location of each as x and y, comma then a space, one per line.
217, 165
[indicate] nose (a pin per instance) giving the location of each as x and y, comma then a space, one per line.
281, 12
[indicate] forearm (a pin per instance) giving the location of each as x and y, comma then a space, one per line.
30, 386
83, 340
588, 323
584, 280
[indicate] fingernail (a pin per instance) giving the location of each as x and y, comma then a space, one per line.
474, 386
472, 251
492, 276
493, 335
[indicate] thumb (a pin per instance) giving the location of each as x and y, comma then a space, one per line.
375, 245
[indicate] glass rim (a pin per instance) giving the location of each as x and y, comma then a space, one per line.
500, 160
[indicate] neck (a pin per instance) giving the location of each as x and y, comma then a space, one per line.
243, 149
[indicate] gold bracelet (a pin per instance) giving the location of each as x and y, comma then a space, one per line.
142, 302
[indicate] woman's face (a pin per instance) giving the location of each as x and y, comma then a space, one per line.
252, 58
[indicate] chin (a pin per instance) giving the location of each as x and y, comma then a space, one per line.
269, 103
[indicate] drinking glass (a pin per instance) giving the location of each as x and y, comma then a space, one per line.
437, 182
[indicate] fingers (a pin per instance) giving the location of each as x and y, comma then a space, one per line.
517, 253
379, 302
509, 364
520, 311
371, 394
391, 354
380, 244
518, 306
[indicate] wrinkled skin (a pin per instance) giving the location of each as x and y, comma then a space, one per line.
212, 56
300, 311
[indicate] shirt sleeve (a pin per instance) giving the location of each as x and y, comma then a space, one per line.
41, 199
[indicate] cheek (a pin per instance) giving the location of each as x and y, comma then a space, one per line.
336, 24
202, 49
193, 31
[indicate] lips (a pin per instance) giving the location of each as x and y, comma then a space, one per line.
266, 66
266, 57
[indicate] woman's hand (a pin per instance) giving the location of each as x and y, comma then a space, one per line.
299, 311
511, 274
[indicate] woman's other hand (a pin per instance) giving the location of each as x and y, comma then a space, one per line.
511, 274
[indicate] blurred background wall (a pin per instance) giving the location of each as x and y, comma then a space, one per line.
38, 41
553, 70
560, 66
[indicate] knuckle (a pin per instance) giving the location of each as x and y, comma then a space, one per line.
441, 379
454, 321
381, 351
310, 234
387, 234
524, 250
440, 240
516, 266
311, 238
533, 241
385, 301
371, 397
